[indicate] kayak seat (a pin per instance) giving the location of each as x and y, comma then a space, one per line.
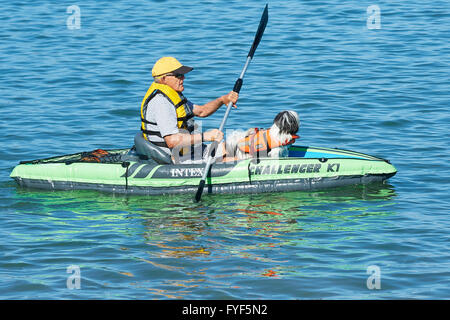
146, 148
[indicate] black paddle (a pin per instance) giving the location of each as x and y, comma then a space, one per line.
237, 88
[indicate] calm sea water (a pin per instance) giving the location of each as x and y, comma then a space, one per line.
379, 91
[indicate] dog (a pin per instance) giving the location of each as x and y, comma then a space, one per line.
272, 143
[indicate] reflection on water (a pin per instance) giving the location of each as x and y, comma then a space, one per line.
173, 247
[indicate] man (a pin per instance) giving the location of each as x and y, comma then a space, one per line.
167, 116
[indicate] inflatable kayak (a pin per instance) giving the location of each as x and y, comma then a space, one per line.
124, 171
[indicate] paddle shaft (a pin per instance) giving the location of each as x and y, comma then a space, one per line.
214, 145
237, 88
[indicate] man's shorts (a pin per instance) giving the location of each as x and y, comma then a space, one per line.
198, 155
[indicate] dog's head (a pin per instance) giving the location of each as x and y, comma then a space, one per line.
287, 122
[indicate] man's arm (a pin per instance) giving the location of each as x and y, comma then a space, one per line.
186, 139
212, 106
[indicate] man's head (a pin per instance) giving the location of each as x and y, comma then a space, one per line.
170, 71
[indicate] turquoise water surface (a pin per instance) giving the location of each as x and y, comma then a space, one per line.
70, 85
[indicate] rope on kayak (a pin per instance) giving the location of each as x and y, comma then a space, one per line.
96, 156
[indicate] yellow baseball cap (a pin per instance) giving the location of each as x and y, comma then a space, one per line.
169, 64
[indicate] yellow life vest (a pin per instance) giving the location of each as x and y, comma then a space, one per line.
178, 101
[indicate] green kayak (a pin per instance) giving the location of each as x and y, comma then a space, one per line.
121, 171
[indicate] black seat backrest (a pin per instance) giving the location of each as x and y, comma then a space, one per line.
150, 150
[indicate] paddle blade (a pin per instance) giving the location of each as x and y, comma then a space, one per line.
198, 195
260, 31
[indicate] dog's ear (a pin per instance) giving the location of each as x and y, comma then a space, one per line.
287, 122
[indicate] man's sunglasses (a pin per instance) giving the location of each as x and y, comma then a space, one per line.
177, 75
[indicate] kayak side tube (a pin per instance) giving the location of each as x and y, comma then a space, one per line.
251, 171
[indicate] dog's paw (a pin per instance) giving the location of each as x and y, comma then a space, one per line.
251, 131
